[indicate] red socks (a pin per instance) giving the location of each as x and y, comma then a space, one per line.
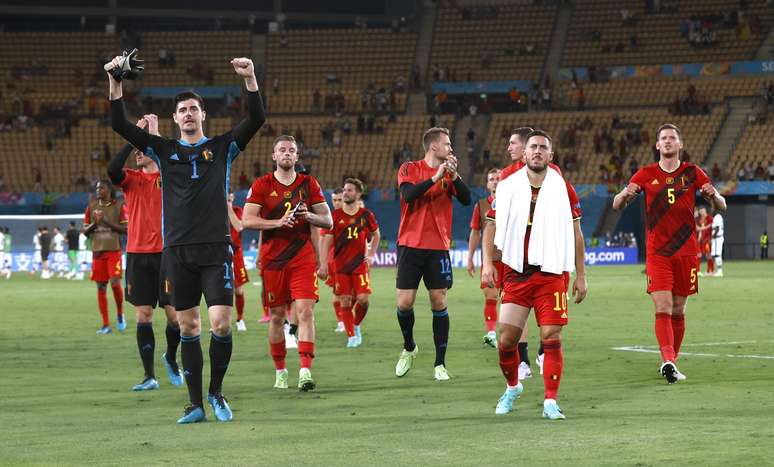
678, 330
665, 336
278, 353
337, 310
348, 319
103, 306
240, 306
710, 265
360, 313
305, 353
509, 364
553, 363
490, 315
118, 295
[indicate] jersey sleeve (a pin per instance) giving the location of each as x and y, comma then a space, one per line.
701, 178
575, 205
373, 226
237, 212
475, 220
639, 178
407, 174
315, 192
257, 193
123, 215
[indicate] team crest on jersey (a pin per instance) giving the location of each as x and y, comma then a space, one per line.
654, 182
207, 155
288, 195
670, 180
273, 193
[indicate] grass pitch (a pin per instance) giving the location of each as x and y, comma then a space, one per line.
66, 396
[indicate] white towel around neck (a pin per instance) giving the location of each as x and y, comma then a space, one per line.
552, 238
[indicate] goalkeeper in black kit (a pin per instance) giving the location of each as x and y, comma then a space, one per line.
196, 260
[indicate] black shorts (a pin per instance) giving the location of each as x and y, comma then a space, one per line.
143, 280
432, 266
190, 270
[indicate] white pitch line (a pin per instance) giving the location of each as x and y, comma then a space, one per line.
642, 349
721, 343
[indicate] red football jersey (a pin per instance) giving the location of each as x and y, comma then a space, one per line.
236, 236
475, 220
280, 246
670, 199
143, 200
350, 240
425, 223
512, 169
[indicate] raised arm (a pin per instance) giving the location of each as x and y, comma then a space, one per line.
626, 196
711, 194
115, 169
256, 115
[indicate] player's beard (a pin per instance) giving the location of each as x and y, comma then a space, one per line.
536, 168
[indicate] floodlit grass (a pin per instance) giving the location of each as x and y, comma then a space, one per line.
66, 395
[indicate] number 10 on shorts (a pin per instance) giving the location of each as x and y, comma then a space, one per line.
561, 301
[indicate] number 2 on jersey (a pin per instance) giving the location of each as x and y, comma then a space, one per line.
288, 208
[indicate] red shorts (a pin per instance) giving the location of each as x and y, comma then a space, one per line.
296, 281
353, 284
676, 274
545, 293
240, 272
105, 265
499, 271
331, 280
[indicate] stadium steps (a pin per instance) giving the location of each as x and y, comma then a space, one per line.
729, 134
417, 100
766, 50
259, 44
558, 40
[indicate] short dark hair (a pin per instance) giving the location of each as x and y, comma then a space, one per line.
338, 190
185, 95
523, 132
282, 138
494, 170
356, 182
668, 126
433, 135
539, 133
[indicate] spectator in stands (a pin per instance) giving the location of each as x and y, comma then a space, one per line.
770, 170
580, 98
760, 172
38, 177
2, 183
749, 172
81, 184
740, 174
716, 172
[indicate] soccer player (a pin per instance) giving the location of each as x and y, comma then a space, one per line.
352, 252
704, 237
490, 256
105, 221
672, 264
45, 251
72, 250
424, 234
6, 265
338, 202
196, 259
144, 289
58, 242
491, 294
285, 206
36, 256
716, 249
539, 235
240, 272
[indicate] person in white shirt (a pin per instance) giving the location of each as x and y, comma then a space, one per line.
36, 260
82, 251
58, 243
717, 244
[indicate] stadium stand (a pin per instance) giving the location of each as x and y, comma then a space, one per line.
480, 43
340, 64
753, 150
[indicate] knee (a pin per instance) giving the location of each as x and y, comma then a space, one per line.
363, 301
144, 316
405, 303
304, 314
278, 316
115, 282
550, 333
221, 327
102, 286
438, 301
509, 336
345, 301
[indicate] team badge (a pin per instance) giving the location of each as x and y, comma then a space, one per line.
207, 155
288, 195
670, 180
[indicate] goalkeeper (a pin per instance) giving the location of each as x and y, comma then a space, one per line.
197, 252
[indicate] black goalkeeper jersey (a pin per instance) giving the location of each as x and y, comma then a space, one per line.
195, 177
